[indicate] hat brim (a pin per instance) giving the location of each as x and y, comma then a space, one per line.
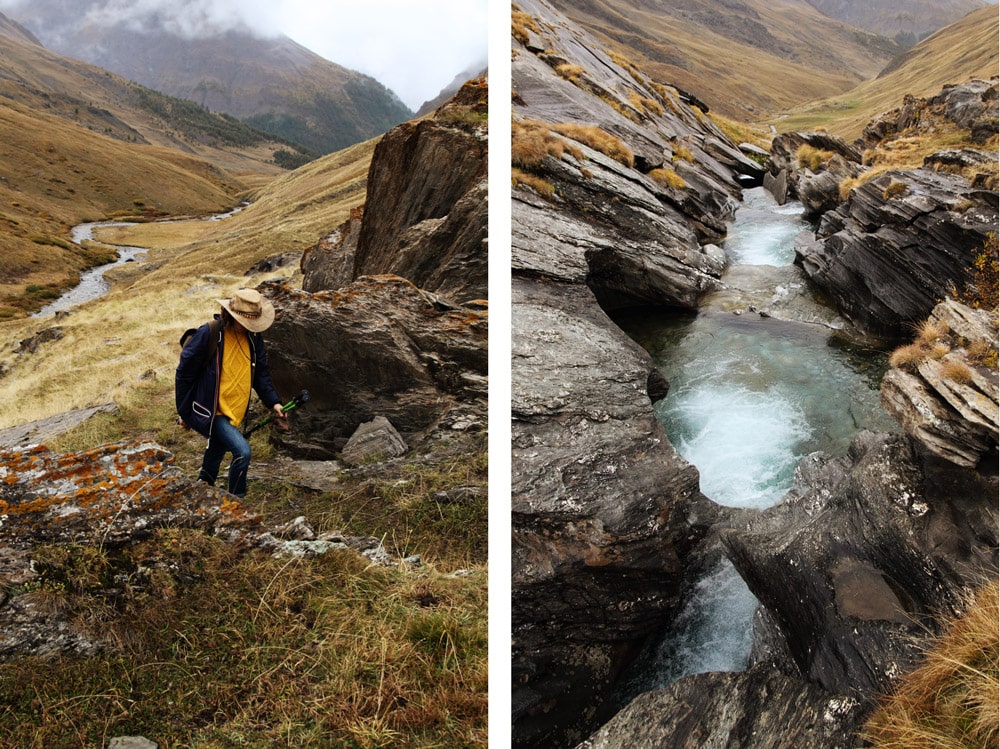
253, 324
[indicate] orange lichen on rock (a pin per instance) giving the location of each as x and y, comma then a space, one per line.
110, 491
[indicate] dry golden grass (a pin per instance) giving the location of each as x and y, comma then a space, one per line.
536, 183
957, 371
931, 331
109, 344
952, 700
668, 178
810, 157
908, 357
521, 23
570, 72
598, 139
531, 142
966, 49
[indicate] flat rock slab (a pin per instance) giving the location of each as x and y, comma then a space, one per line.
42, 431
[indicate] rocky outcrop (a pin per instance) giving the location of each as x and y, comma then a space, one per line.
621, 189
761, 708
329, 264
810, 167
378, 347
426, 207
857, 563
944, 391
900, 243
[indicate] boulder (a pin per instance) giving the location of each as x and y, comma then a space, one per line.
902, 242
864, 556
953, 416
758, 708
375, 439
787, 179
379, 346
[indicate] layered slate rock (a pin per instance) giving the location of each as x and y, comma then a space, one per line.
949, 402
427, 207
902, 242
863, 557
378, 347
817, 188
760, 707
600, 498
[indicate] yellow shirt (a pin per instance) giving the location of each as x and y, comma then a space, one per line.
234, 384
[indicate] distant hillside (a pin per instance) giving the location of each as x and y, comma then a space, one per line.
81, 143
743, 59
274, 84
966, 49
905, 21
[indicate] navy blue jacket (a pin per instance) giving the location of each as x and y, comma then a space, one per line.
196, 381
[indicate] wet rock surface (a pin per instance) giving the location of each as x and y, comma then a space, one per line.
600, 498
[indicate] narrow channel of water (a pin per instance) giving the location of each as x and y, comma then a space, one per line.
758, 380
92, 282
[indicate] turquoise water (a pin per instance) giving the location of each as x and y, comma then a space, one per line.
750, 396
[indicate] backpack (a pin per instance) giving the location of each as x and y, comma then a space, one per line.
214, 325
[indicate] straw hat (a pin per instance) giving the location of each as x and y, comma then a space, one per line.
250, 309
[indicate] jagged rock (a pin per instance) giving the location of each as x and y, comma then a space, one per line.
44, 430
599, 503
379, 346
427, 183
329, 264
971, 106
760, 707
901, 242
599, 497
272, 263
30, 345
786, 179
375, 439
955, 419
860, 560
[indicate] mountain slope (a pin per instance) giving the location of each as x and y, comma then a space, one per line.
966, 49
81, 143
743, 59
906, 22
274, 84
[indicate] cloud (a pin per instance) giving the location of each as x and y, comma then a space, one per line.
414, 48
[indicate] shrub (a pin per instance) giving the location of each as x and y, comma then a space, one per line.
983, 292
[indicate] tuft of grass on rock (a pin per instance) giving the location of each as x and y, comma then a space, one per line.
951, 700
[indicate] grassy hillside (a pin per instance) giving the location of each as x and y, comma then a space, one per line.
966, 49
191, 263
744, 61
229, 646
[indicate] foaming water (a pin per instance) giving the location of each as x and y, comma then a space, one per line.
750, 396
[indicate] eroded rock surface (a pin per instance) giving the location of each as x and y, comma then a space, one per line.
600, 498
378, 347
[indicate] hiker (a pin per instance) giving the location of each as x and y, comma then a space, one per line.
219, 365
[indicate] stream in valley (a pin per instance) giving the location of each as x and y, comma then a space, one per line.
92, 282
758, 379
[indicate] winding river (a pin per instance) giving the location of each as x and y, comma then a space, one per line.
759, 379
92, 282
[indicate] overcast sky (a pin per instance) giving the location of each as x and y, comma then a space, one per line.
415, 47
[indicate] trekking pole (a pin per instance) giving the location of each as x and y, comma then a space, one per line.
294, 403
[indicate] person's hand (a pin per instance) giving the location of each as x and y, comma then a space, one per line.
181, 424
281, 418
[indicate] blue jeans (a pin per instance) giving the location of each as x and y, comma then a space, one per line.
226, 438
